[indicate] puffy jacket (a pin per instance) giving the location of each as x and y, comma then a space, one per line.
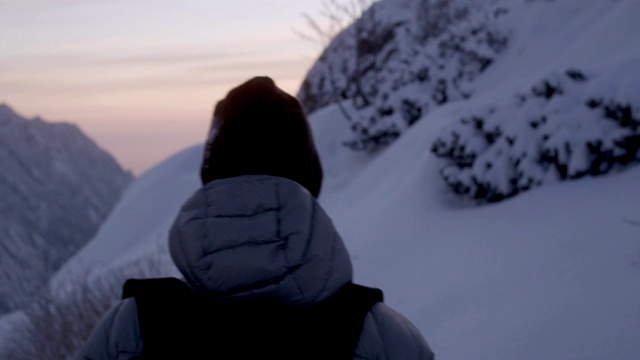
261, 236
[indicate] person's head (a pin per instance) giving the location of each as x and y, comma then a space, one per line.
258, 129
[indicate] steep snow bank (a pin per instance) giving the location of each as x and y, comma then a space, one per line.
141, 220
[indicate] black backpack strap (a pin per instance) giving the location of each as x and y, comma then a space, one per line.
164, 304
154, 287
177, 322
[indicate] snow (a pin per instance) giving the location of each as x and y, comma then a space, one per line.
139, 223
553, 273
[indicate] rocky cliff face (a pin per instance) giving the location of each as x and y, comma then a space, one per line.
56, 187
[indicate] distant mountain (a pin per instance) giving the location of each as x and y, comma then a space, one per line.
56, 188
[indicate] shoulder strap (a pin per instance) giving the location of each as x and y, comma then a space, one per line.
156, 286
165, 309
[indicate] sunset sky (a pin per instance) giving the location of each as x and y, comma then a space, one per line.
141, 77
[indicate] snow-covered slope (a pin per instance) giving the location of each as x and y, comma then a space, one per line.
549, 88
551, 274
139, 224
562, 103
56, 187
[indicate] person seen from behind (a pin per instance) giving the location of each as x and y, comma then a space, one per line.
266, 275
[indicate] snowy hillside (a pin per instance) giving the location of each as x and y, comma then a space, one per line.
403, 58
550, 87
56, 187
553, 273
139, 224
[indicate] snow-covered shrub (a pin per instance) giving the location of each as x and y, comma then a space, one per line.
56, 328
565, 127
59, 322
432, 17
399, 61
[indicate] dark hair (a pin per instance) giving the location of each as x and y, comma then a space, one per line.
261, 130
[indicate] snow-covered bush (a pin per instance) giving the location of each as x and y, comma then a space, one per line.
59, 322
565, 127
400, 60
56, 328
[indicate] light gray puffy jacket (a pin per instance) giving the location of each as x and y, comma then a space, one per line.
267, 236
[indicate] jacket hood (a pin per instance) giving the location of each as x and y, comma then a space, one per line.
259, 235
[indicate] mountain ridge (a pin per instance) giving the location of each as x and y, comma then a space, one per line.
56, 186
